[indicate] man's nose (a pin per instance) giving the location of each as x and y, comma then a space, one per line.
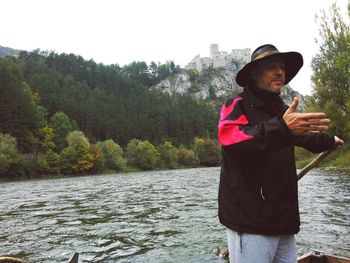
280, 70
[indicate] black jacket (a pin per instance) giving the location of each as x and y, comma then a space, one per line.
258, 190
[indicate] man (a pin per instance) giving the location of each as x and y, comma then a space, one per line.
258, 196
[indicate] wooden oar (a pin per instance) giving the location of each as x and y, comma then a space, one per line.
313, 163
74, 258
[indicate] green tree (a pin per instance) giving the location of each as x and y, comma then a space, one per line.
207, 151
138, 71
47, 163
167, 69
211, 91
112, 154
168, 155
153, 72
141, 154
193, 74
21, 114
187, 157
210, 155
97, 159
46, 136
62, 126
198, 147
331, 71
9, 156
77, 157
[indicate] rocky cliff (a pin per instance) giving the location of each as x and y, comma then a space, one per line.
213, 84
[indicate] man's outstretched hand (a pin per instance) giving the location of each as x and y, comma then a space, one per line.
304, 123
338, 142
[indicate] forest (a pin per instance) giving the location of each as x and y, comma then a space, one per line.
61, 114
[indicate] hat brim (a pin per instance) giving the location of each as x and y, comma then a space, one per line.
293, 62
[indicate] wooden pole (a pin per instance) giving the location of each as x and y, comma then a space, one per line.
313, 163
74, 258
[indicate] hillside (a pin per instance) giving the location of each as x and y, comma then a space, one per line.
105, 101
120, 103
6, 51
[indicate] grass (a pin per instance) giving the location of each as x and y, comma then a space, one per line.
339, 158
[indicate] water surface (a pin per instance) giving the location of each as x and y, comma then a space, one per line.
166, 216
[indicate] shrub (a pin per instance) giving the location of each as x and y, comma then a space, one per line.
9, 156
187, 157
141, 154
207, 151
48, 163
77, 157
168, 155
112, 155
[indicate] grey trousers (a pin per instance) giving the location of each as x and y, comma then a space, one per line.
251, 248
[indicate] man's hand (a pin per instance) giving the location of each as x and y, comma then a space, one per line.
304, 123
338, 142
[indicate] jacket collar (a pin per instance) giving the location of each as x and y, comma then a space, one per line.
259, 97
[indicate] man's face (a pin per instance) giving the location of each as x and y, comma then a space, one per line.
271, 75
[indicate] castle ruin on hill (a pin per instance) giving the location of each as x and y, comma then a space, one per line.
220, 59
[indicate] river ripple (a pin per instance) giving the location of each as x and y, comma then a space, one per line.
166, 216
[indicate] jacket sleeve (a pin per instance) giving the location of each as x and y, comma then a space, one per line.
240, 137
315, 143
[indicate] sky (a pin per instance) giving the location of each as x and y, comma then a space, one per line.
123, 31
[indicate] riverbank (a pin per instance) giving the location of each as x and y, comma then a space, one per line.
339, 158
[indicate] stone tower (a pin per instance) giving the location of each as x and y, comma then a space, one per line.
214, 50
220, 59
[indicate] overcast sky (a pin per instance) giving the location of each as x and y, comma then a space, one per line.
122, 31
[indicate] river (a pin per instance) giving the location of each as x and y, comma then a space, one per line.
163, 216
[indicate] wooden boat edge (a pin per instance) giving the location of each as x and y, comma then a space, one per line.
306, 258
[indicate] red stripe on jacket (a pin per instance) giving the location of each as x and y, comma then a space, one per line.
229, 130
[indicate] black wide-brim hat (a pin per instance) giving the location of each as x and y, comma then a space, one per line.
293, 63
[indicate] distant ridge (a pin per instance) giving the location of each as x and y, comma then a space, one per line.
7, 51
212, 78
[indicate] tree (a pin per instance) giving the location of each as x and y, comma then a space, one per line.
198, 147
77, 157
112, 155
46, 139
168, 155
210, 155
47, 163
331, 71
153, 72
207, 151
62, 126
211, 91
187, 157
97, 159
21, 114
138, 71
142, 154
167, 69
9, 156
